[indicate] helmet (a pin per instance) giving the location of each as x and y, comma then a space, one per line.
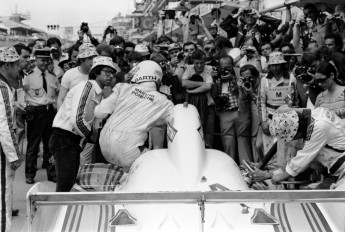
147, 71
284, 126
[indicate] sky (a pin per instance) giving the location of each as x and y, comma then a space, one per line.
67, 13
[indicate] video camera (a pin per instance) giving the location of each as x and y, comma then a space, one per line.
84, 27
303, 73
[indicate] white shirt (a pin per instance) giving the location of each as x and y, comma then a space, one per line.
76, 113
35, 94
73, 77
326, 129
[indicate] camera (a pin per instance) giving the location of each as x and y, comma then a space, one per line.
250, 51
247, 82
247, 12
110, 30
193, 18
165, 65
224, 71
169, 14
84, 27
302, 73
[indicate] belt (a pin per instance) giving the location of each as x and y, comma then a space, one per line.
337, 165
272, 106
43, 107
75, 138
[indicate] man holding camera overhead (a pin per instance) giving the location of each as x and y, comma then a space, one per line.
85, 35
247, 25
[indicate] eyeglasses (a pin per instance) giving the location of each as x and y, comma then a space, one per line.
128, 51
109, 73
189, 50
210, 49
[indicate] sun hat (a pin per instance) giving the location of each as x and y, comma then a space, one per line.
87, 50
276, 58
284, 126
142, 49
103, 60
8, 54
174, 46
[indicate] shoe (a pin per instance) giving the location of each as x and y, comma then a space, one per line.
30, 180
15, 212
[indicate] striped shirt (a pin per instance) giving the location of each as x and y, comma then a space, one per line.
77, 111
8, 139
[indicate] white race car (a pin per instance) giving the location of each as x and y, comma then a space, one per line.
183, 188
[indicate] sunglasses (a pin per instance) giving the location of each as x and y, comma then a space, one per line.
320, 81
128, 51
210, 49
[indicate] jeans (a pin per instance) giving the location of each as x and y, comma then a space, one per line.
66, 151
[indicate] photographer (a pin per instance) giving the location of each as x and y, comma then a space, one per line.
85, 35
108, 31
247, 25
233, 106
250, 81
176, 59
195, 23
250, 55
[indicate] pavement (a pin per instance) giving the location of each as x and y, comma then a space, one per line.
20, 188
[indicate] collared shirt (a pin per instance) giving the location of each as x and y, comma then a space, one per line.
35, 94
325, 129
8, 139
206, 75
76, 113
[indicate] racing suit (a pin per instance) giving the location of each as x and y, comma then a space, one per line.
325, 143
134, 109
9, 152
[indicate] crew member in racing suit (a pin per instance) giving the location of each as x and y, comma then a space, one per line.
134, 109
324, 136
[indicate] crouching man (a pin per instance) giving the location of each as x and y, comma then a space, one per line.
134, 109
324, 138
74, 121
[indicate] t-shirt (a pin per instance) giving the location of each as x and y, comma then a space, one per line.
206, 75
72, 77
